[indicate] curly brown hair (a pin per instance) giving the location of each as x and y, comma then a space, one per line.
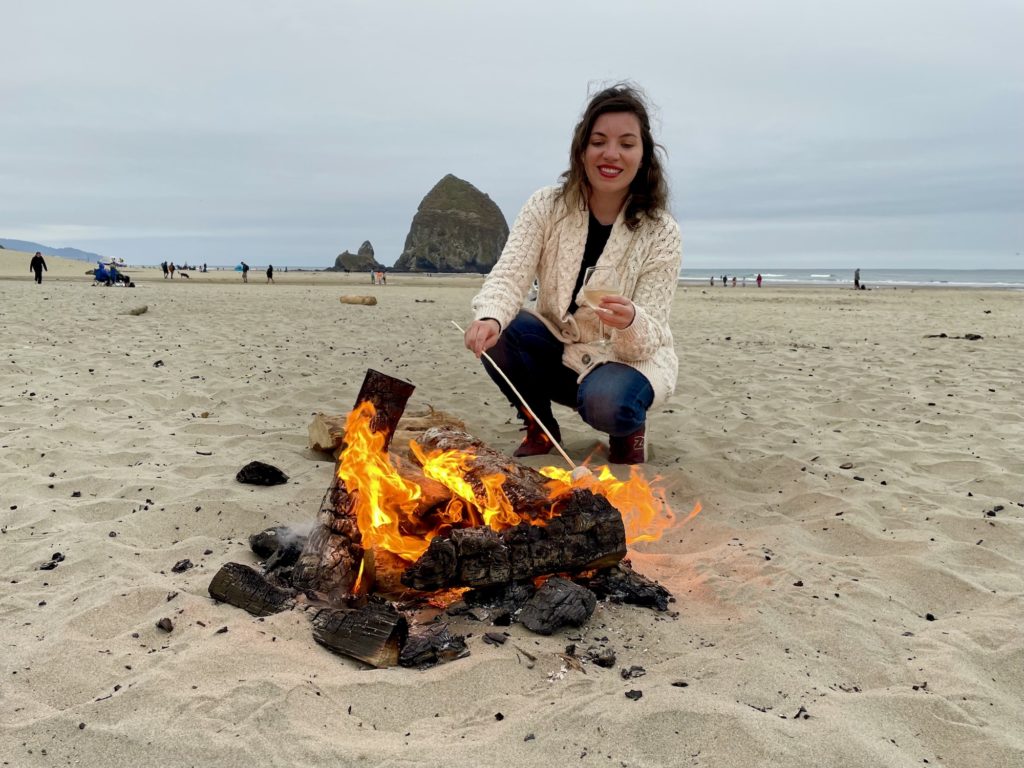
648, 193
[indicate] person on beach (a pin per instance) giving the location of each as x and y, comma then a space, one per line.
856, 279
163, 266
270, 273
610, 210
170, 268
758, 279
245, 272
37, 266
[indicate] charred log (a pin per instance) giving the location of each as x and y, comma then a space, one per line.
558, 603
389, 396
621, 584
525, 487
498, 605
261, 473
433, 645
329, 563
373, 634
587, 533
266, 542
241, 586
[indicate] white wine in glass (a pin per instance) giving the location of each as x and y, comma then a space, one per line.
599, 282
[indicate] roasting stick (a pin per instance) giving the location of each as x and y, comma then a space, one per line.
577, 472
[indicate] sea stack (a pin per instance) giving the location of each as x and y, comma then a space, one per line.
363, 261
457, 228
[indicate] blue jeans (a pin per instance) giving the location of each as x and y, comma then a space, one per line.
613, 398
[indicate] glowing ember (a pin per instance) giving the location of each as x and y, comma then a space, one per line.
385, 503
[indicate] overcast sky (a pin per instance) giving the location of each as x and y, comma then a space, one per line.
800, 134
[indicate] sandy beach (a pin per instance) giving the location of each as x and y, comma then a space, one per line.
825, 616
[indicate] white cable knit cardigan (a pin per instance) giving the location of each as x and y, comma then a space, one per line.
547, 243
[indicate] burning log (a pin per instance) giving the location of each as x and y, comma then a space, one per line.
327, 431
587, 533
331, 561
374, 633
525, 487
389, 396
241, 586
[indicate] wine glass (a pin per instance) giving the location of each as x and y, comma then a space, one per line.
599, 282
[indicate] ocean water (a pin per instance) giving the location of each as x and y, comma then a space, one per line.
872, 278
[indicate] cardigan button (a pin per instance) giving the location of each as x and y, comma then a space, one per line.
586, 359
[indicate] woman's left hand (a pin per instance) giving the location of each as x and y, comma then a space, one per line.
616, 312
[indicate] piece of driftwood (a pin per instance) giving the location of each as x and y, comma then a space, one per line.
587, 533
621, 584
331, 560
435, 644
241, 586
327, 430
558, 602
368, 301
525, 487
374, 633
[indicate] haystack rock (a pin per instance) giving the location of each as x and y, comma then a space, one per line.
362, 261
457, 228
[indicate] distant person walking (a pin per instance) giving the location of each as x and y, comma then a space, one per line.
758, 279
163, 266
270, 273
37, 265
245, 272
170, 268
856, 279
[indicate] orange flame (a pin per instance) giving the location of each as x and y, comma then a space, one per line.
645, 512
385, 503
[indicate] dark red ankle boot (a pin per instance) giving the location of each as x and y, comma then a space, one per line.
536, 443
630, 449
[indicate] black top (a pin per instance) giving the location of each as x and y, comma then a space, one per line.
597, 237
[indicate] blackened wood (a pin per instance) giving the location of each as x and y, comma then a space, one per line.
266, 542
241, 586
432, 645
330, 561
558, 602
374, 633
525, 487
499, 604
621, 584
586, 533
261, 473
279, 546
389, 396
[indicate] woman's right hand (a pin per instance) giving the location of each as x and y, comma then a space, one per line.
482, 335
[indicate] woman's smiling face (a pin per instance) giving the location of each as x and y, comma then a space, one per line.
614, 153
